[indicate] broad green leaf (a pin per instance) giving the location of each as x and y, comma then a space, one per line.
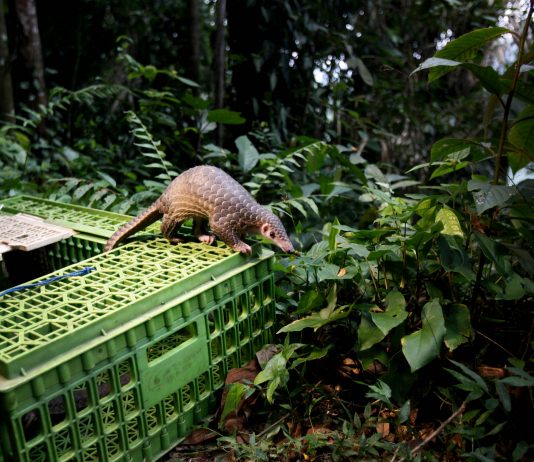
317, 320
465, 48
518, 159
195, 102
514, 289
236, 392
486, 75
309, 301
275, 372
328, 271
458, 325
525, 92
488, 78
521, 135
489, 247
224, 116
435, 62
368, 333
451, 224
448, 167
316, 353
423, 346
275, 367
453, 257
394, 315
248, 155
357, 250
487, 195
459, 149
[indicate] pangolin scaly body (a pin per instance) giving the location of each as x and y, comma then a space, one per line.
209, 196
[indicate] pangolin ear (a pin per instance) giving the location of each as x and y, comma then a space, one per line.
265, 229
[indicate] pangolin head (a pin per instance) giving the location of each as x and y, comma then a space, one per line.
273, 229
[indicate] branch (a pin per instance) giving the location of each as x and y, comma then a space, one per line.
438, 430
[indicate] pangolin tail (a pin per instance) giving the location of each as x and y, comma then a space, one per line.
141, 221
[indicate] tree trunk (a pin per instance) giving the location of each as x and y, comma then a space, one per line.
220, 55
194, 37
31, 49
7, 102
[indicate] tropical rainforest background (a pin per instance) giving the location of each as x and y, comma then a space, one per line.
394, 138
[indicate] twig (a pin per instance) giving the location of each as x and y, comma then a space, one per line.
438, 430
489, 339
263, 432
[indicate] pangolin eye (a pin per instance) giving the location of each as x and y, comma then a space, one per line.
272, 235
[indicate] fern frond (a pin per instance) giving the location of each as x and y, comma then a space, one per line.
150, 148
280, 166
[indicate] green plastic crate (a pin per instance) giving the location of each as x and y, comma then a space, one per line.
93, 227
82, 219
121, 364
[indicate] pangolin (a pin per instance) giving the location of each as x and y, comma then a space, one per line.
209, 196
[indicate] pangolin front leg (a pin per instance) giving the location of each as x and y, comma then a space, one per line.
228, 234
200, 230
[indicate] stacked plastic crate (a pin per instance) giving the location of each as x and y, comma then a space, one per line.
122, 362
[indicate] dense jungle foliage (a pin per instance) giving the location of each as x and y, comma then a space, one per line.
392, 138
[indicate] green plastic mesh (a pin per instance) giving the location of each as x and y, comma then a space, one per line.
79, 217
35, 317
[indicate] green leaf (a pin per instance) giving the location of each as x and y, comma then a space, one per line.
448, 167
248, 155
224, 116
458, 326
404, 412
362, 69
435, 62
486, 75
381, 391
489, 247
107, 178
514, 289
316, 353
423, 346
465, 48
519, 381
456, 149
275, 372
453, 257
189, 83
236, 392
517, 159
504, 396
488, 78
487, 195
316, 320
368, 333
451, 224
471, 375
394, 315
521, 135
309, 301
